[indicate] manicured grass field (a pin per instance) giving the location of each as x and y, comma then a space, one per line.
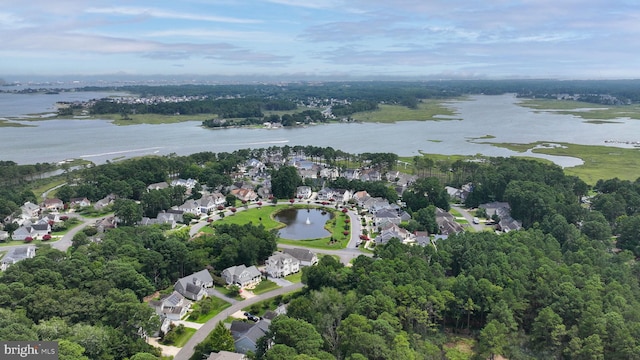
295, 278
265, 286
427, 110
253, 216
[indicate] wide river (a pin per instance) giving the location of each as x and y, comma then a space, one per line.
498, 116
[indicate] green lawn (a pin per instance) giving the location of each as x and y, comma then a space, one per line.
295, 278
427, 110
227, 293
217, 306
182, 338
335, 225
69, 224
264, 286
253, 216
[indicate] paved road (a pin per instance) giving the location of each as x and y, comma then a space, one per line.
468, 217
187, 350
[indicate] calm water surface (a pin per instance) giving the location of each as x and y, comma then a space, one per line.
498, 116
303, 223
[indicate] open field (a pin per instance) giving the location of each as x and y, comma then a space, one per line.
155, 118
427, 110
600, 162
217, 307
587, 111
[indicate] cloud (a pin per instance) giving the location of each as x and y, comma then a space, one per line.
166, 14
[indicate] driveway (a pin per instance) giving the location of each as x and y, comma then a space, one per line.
469, 218
187, 351
280, 281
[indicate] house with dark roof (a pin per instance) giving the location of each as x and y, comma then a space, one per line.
173, 306
447, 223
241, 275
194, 286
246, 335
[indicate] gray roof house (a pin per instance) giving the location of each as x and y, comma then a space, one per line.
226, 355
173, 306
241, 275
17, 254
24, 232
305, 256
194, 286
246, 335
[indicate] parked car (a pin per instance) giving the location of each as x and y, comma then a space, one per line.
251, 317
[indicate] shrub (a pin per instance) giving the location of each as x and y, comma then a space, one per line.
28, 239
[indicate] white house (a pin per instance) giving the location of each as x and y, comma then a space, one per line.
173, 307
303, 192
305, 256
281, 265
17, 254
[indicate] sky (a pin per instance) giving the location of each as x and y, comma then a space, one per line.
437, 39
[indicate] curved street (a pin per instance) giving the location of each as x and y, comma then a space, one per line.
187, 350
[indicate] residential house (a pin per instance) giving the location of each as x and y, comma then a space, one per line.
281, 265
80, 202
503, 211
171, 216
305, 256
24, 232
326, 194
30, 210
303, 192
109, 222
360, 197
242, 276
342, 195
227, 355
245, 194
190, 206
370, 175
3, 235
188, 183
351, 174
157, 186
386, 215
391, 231
211, 202
422, 238
329, 173
194, 286
173, 306
53, 204
17, 254
246, 335
447, 223
41, 229
104, 202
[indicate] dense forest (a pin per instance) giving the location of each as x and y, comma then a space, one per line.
565, 287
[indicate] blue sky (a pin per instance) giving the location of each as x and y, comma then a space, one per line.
569, 39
